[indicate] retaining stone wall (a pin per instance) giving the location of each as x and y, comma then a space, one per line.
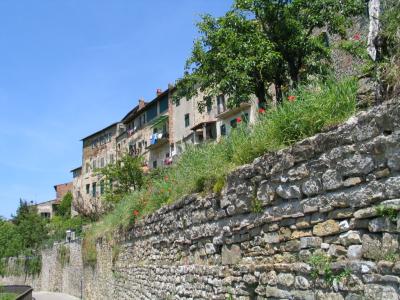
54, 276
257, 239
314, 200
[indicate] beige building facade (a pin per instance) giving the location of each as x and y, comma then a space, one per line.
99, 150
158, 131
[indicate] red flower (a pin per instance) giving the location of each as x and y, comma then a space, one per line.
292, 98
135, 213
238, 119
261, 110
357, 37
166, 178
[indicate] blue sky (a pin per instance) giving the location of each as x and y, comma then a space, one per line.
71, 67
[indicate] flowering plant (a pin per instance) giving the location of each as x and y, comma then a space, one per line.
292, 98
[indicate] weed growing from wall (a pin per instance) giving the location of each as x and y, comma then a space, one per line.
387, 212
63, 255
321, 264
89, 251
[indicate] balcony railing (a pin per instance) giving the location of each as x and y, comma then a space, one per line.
158, 139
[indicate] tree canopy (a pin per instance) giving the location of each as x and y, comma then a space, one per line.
64, 208
122, 177
263, 42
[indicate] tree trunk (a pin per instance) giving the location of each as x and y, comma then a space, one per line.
261, 95
294, 71
278, 91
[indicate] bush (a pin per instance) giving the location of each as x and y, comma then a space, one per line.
121, 178
64, 209
58, 226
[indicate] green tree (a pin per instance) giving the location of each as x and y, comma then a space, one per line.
10, 239
122, 177
292, 26
30, 226
260, 42
233, 57
64, 208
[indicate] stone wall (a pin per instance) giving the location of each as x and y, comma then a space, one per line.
280, 220
302, 223
58, 274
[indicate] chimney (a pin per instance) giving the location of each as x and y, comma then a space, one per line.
159, 92
142, 104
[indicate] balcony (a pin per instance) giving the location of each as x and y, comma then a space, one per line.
233, 111
157, 140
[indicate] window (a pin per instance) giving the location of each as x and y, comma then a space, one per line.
143, 119
87, 188
177, 102
221, 104
111, 158
154, 164
94, 166
102, 187
152, 112
94, 192
102, 162
45, 215
163, 104
223, 129
187, 120
208, 101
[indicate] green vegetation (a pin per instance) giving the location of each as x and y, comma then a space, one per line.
321, 264
387, 212
204, 168
89, 251
64, 208
263, 42
256, 206
8, 296
27, 233
122, 177
389, 60
63, 255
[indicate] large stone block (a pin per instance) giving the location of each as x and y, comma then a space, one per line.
288, 191
266, 192
326, 228
231, 255
331, 180
312, 187
380, 292
356, 165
